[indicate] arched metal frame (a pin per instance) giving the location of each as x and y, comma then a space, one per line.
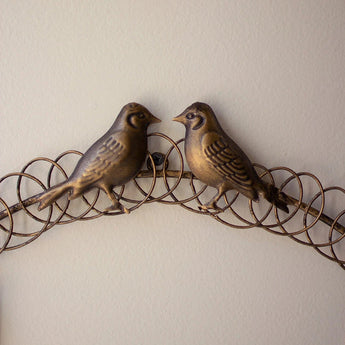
311, 226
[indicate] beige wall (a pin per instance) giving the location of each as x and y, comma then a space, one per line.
273, 71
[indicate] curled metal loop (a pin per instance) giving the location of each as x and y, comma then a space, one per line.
307, 223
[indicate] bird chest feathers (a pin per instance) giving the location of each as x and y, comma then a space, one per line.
197, 159
132, 157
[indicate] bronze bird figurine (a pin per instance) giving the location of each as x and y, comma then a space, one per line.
112, 160
216, 160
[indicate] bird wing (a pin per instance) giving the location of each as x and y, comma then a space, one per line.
108, 153
228, 159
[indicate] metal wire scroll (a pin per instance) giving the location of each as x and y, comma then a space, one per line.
165, 180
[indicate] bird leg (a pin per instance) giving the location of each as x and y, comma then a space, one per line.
116, 205
212, 204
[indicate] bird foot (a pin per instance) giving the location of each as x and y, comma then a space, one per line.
117, 207
210, 206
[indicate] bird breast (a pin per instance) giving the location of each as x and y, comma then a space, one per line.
129, 163
198, 162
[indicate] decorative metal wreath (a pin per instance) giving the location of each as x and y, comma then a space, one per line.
164, 180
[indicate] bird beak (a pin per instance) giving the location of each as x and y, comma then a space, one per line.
180, 118
154, 119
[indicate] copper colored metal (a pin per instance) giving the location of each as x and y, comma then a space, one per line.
316, 229
113, 160
215, 159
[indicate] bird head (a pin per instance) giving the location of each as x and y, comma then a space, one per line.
198, 115
135, 116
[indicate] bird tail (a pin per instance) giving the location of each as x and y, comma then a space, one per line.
52, 194
277, 198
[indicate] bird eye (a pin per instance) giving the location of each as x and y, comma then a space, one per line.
190, 116
140, 115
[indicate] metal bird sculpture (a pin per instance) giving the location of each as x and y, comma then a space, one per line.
112, 160
216, 160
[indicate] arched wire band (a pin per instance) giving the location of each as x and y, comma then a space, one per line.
231, 214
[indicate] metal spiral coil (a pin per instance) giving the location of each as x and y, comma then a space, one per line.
307, 222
